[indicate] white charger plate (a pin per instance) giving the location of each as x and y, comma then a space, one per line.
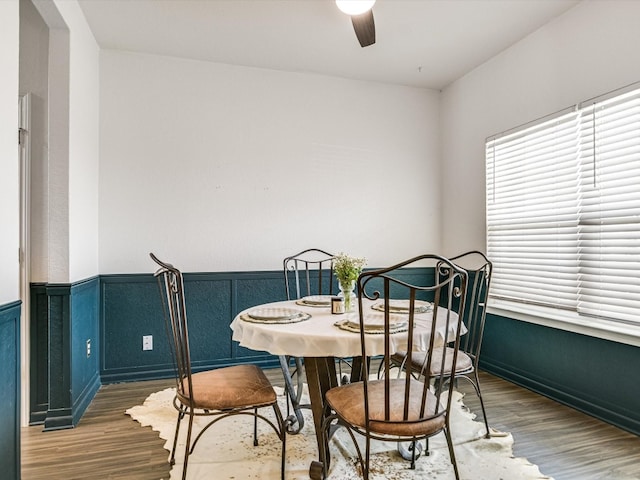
373, 323
315, 301
275, 315
402, 306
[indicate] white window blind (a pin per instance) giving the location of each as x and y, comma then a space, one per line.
609, 227
532, 215
563, 210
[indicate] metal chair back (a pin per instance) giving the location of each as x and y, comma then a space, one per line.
309, 272
479, 269
176, 324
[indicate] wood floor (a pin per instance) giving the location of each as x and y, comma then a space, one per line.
107, 444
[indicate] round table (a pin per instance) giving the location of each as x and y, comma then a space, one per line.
320, 342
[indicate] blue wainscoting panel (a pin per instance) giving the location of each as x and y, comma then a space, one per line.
64, 379
10, 391
38, 354
59, 413
209, 308
252, 290
590, 374
132, 307
85, 362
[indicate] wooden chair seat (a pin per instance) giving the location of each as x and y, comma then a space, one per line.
229, 388
464, 363
348, 403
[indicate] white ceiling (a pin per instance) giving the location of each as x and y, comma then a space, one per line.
422, 43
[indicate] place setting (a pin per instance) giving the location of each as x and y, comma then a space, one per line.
402, 306
374, 321
274, 315
316, 301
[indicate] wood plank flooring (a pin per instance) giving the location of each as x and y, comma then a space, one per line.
107, 444
564, 443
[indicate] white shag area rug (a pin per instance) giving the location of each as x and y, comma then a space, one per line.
226, 450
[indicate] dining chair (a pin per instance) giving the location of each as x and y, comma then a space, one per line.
401, 409
309, 272
220, 393
479, 269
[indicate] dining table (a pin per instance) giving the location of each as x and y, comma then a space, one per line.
307, 328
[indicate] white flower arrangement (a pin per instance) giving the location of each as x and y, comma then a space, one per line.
347, 269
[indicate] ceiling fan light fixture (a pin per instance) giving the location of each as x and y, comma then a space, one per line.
355, 7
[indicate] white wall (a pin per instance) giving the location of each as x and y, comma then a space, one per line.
221, 168
65, 216
590, 50
34, 71
84, 97
9, 173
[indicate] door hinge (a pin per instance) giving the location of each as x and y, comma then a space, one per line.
21, 132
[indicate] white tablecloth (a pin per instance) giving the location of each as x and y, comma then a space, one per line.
319, 337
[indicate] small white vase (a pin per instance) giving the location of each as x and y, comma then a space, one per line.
346, 292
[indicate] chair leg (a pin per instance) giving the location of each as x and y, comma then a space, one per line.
187, 447
367, 458
484, 413
413, 454
283, 432
452, 454
255, 427
172, 460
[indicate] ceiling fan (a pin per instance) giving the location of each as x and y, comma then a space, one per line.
361, 14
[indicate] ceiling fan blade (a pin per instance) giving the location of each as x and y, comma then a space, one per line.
365, 28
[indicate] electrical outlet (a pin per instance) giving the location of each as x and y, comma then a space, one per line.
147, 342
88, 347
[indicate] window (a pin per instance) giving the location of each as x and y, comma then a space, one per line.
563, 210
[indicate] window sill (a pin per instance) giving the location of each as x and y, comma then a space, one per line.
568, 321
